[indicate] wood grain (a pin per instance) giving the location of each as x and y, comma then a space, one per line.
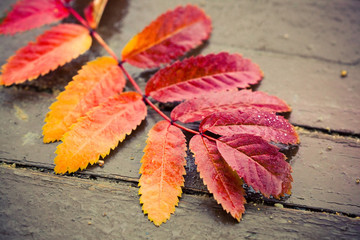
324, 166
85, 208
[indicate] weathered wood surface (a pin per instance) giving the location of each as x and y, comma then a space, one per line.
300, 46
35, 205
325, 167
301, 54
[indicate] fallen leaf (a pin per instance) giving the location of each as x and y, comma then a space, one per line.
162, 171
27, 15
198, 108
269, 126
168, 37
220, 179
97, 81
259, 163
52, 49
99, 131
202, 75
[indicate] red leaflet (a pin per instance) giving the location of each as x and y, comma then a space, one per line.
221, 180
99, 131
198, 108
29, 14
201, 75
97, 81
264, 124
259, 163
94, 11
168, 37
54, 48
162, 171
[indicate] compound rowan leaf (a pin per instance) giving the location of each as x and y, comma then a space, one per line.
95, 83
201, 75
94, 11
259, 163
221, 180
269, 126
52, 49
27, 15
168, 37
99, 131
198, 108
162, 171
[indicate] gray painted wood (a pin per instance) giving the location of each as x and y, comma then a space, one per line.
300, 46
301, 54
325, 167
36, 205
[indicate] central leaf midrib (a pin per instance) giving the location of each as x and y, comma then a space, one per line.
217, 173
97, 132
130, 55
162, 166
199, 78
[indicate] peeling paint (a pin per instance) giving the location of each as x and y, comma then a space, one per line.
30, 138
20, 114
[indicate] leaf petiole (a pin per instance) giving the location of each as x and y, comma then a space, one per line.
101, 41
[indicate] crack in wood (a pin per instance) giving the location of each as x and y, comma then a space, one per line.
251, 198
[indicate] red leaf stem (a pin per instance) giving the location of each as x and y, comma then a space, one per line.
98, 38
132, 81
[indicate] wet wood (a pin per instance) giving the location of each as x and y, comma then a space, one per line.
324, 166
302, 56
301, 66
51, 206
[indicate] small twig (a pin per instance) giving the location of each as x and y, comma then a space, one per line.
104, 45
132, 81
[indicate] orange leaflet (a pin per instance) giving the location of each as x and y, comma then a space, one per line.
221, 180
52, 49
168, 37
94, 11
162, 171
198, 108
259, 163
98, 132
27, 15
202, 75
95, 83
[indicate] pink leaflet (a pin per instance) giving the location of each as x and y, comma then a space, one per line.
220, 179
168, 37
29, 14
267, 125
259, 163
202, 75
198, 108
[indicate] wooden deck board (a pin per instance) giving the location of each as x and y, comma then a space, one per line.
325, 167
302, 68
300, 46
40, 205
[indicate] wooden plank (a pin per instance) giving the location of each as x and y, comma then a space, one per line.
308, 79
325, 171
319, 96
325, 168
269, 26
301, 61
35, 205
